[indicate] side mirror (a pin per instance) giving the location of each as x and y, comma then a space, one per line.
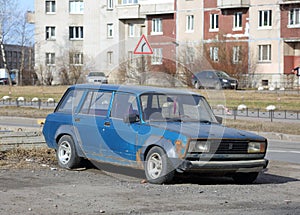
219, 119
131, 118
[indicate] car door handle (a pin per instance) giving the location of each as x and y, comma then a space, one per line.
77, 119
107, 124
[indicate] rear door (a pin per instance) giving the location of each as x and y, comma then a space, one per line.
90, 122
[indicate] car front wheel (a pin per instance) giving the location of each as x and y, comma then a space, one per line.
66, 153
158, 168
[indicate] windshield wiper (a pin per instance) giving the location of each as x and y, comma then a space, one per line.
174, 119
205, 121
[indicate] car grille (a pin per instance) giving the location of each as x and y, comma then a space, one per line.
229, 147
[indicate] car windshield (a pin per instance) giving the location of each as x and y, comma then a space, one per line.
96, 74
222, 74
176, 107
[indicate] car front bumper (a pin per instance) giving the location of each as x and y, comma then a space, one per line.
225, 166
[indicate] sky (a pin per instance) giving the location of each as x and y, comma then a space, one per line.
27, 4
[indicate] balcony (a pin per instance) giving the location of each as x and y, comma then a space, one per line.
289, 2
159, 8
229, 4
129, 11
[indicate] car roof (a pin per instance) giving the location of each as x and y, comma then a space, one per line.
135, 89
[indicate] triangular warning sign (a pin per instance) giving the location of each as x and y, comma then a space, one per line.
143, 46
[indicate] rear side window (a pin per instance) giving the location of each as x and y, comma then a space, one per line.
70, 101
96, 103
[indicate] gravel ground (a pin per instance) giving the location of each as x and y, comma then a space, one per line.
41, 187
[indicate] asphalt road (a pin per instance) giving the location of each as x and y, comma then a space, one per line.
284, 151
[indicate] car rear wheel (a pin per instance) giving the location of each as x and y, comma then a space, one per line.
158, 168
66, 153
245, 178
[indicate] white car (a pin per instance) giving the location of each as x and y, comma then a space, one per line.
97, 78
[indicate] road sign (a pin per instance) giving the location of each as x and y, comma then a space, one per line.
143, 46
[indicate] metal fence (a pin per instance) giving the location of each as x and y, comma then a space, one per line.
258, 113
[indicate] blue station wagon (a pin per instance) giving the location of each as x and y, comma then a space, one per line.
163, 131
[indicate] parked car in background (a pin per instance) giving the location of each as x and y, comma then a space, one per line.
163, 131
97, 78
214, 79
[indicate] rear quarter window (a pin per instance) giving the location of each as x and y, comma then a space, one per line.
70, 101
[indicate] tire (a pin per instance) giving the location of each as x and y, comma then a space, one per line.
245, 178
66, 153
158, 168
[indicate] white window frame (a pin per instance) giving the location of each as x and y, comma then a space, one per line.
110, 30
77, 33
50, 59
76, 58
131, 30
294, 18
214, 22
190, 23
238, 21
236, 54
50, 6
110, 57
76, 6
110, 4
50, 33
157, 56
157, 26
190, 55
124, 2
265, 22
214, 53
264, 53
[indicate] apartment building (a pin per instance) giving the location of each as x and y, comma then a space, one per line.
258, 41
86, 35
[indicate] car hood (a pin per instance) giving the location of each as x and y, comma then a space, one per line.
207, 130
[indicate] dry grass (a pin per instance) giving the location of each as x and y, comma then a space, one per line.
22, 158
265, 126
25, 112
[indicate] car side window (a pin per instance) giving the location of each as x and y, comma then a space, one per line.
70, 101
96, 103
123, 105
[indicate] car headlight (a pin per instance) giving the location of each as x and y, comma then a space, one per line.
256, 147
199, 146
224, 80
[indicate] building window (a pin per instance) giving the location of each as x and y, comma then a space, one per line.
110, 4
294, 17
131, 30
236, 50
190, 55
50, 59
156, 26
237, 21
76, 32
76, 58
110, 58
190, 23
76, 6
214, 53
214, 22
50, 33
130, 1
110, 30
264, 53
265, 18
157, 56
50, 6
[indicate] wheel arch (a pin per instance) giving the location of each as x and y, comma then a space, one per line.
73, 133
